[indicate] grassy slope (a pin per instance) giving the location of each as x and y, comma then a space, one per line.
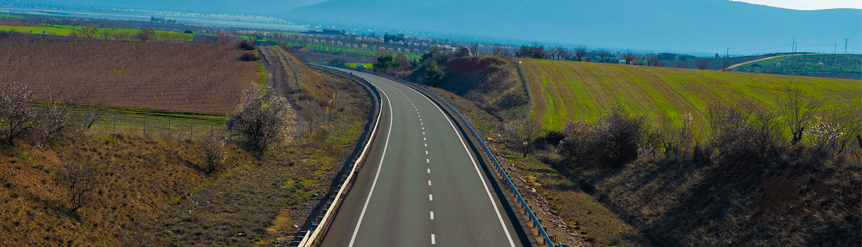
563, 90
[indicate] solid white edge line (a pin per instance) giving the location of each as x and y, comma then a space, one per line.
499, 216
373, 184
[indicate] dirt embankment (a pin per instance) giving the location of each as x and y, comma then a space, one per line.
492, 83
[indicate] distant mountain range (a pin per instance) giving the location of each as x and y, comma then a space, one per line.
696, 26
692, 26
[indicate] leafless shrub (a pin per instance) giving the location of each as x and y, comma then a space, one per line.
82, 180
213, 154
678, 139
522, 133
743, 132
798, 109
16, 114
614, 140
263, 119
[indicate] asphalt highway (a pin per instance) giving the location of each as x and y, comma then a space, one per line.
420, 186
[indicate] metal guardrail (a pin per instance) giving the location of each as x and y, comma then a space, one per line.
311, 236
536, 222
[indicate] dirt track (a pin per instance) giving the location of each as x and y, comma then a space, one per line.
754, 61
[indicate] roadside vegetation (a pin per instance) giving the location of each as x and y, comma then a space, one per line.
70, 177
734, 159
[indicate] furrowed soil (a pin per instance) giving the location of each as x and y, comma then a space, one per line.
182, 77
565, 90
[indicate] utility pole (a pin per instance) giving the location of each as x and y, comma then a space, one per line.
793, 47
845, 45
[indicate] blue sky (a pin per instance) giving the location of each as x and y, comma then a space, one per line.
808, 4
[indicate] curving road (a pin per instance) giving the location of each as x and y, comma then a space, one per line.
420, 185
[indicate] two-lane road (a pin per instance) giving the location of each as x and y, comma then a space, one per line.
420, 186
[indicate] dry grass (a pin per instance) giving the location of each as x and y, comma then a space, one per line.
142, 176
565, 90
154, 76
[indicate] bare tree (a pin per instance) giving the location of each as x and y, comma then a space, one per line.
89, 31
263, 119
82, 180
651, 59
604, 56
523, 133
474, 48
580, 51
701, 63
798, 110
564, 54
629, 56
16, 114
497, 49
213, 154
145, 34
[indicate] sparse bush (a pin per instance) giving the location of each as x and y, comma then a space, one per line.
82, 180
145, 34
248, 57
16, 114
338, 61
743, 133
213, 154
523, 133
263, 119
248, 46
611, 142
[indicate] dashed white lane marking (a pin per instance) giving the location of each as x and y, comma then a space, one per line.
423, 133
429, 170
428, 161
422, 124
429, 182
426, 145
423, 138
433, 241
426, 152
423, 128
432, 215
430, 197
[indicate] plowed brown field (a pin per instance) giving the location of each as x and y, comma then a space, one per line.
154, 76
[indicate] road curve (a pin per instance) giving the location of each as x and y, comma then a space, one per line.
420, 185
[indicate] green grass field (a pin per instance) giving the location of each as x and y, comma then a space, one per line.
565, 90
65, 30
353, 65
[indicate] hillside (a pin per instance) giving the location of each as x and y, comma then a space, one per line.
492, 83
564, 90
695, 26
